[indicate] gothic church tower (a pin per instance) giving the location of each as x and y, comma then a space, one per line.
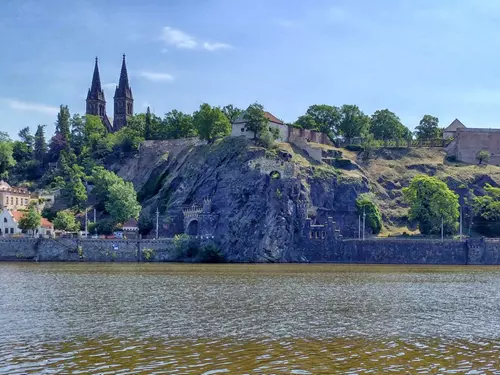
96, 102
124, 101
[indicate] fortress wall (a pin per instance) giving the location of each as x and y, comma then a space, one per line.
471, 141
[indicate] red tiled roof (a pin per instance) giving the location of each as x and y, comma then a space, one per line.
131, 223
17, 215
273, 118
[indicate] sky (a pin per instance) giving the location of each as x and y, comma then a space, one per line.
414, 57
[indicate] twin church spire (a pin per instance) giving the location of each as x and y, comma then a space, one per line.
123, 99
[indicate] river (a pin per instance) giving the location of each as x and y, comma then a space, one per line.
248, 319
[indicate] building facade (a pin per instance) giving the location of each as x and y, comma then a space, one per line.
9, 224
123, 100
13, 198
451, 130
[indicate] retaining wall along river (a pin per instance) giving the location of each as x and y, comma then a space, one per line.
386, 251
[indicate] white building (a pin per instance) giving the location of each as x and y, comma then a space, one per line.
9, 220
239, 127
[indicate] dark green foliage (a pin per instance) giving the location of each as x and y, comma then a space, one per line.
324, 118
430, 202
343, 163
105, 226
386, 125
353, 122
483, 157
231, 112
428, 128
366, 205
487, 212
190, 249
211, 123
40, 144
256, 120
30, 220
354, 148
147, 125
145, 223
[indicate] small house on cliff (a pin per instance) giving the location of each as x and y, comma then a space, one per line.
9, 224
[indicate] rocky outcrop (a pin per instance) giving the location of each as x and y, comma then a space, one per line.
255, 194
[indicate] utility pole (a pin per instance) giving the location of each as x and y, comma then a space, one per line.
364, 221
94, 216
460, 222
442, 228
86, 222
157, 221
359, 227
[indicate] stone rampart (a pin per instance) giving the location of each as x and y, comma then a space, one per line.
469, 142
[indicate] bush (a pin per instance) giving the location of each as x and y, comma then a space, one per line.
105, 226
188, 248
343, 163
365, 204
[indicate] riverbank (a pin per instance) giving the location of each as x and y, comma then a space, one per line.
386, 251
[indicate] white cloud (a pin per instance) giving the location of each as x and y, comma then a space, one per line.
156, 76
178, 38
109, 86
215, 46
32, 107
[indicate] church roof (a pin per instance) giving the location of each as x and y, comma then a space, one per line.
96, 91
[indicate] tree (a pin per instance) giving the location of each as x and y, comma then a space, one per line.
40, 144
386, 125
6, 158
231, 112
428, 128
483, 156
487, 211
430, 202
102, 180
4, 137
26, 137
353, 122
63, 123
30, 220
325, 118
211, 123
147, 125
65, 220
77, 133
366, 205
256, 120
122, 202
21, 152
176, 125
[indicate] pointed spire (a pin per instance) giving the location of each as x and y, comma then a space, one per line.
96, 79
123, 84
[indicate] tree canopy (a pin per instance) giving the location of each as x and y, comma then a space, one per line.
366, 205
256, 120
428, 128
353, 122
30, 220
487, 211
386, 125
430, 202
65, 220
211, 123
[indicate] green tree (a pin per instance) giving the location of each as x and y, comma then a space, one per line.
77, 133
366, 205
231, 112
487, 211
211, 123
63, 123
122, 202
40, 148
4, 137
483, 156
353, 122
102, 180
21, 152
7, 160
256, 120
322, 117
428, 128
386, 125
148, 125
430, 202
30, 221
176, 125
26, 137
65, 220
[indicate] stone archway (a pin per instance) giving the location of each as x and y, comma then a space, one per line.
192, 228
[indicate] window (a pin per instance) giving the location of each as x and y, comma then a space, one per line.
17, 201
6, 200
242, 130
26, 201
12, 200
11, 230
4, 219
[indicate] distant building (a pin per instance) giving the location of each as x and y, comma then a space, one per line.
287, 133
468, 142
451, 130
13, 198
9, 221
131, 229
123, 100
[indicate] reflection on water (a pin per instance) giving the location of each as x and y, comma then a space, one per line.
248, 319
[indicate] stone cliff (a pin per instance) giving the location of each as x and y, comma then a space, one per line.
259, 198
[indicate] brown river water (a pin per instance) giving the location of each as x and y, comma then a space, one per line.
248, 319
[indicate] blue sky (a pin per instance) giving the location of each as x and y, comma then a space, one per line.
414, 57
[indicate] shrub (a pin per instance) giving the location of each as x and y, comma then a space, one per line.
343, 163
366, 205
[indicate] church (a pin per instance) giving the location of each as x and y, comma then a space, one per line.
123, 100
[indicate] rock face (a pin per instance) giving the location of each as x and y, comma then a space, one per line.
258, 197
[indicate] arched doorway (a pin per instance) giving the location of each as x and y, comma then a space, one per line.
192, 228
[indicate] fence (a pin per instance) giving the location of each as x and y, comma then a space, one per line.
394, 143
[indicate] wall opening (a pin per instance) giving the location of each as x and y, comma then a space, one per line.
192, 228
